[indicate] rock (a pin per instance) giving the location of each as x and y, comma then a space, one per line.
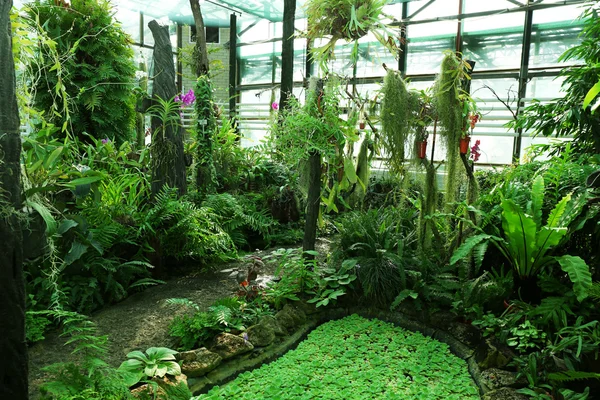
307, 308
198, 362
285, 320
495, 378
504, 394
160, 393
297, 314
271, 322
260, 335
490, 355
290, 317
466, 333
227, 345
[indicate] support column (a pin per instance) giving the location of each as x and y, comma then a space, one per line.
233, 66
13, 366
523, 78
403, 56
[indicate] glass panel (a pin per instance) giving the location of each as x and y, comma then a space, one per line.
472, 6
494, 42
554, 31
425, 56
130, 22
439, 8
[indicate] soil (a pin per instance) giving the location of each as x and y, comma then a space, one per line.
142, 320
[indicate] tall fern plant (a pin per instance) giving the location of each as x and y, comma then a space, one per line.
527, 245
97, 73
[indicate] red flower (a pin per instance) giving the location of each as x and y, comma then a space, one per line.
475, 154
244, 283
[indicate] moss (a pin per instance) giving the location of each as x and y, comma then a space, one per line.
395, 112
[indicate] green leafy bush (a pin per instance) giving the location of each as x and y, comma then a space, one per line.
157, 362
382, 241
95, 71
356, 358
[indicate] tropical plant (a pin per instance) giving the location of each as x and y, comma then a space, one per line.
223, 316
205, 128
333, 283
382, 243
526, 243
237, 215
348, 20
94, 71
157, 362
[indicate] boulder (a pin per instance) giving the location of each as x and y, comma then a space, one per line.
466, 333
260, 335
199, 362
492, 355
289, 317
271, 322
227, 345
495, 378
504, 394
159, 392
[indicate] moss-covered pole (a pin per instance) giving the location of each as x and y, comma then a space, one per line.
200, 51
13, 367
313, 201
287, 53
168, 163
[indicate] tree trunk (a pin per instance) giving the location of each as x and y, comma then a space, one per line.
287, 53
200, 51
13, 368
168, 162
313, 202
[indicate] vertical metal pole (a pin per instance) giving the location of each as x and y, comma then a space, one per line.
403, 57
141, 28
179, 62
523, 77
233, 65
458, 44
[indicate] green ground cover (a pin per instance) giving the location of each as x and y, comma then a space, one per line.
357, 358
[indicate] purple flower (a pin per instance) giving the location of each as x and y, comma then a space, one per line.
245, 336
275, 105
105, 141
185, 99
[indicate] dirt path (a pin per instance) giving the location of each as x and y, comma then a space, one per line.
142, 320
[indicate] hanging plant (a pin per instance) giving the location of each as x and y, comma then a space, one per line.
397, 109
349, 20
451, 102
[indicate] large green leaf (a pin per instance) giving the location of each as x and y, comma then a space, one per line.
579, 273
548, 238
520, 231
51, 224
75, 253
537, 200
349, 170
556, 215
161, 353
593, 92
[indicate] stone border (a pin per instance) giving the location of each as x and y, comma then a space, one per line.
230, 369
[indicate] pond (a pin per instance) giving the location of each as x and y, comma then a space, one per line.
357, 358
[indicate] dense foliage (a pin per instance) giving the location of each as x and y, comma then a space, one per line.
87, 64
364, 358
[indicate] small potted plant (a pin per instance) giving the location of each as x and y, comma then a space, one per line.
421, 140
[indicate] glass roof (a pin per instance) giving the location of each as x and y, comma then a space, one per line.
214, 12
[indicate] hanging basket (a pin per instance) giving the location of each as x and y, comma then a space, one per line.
422, 149
464, 144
